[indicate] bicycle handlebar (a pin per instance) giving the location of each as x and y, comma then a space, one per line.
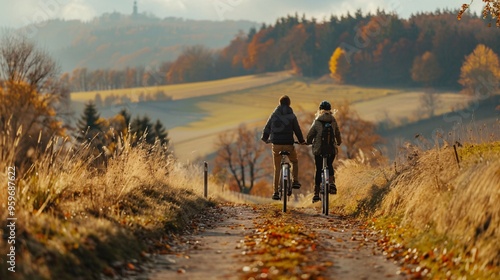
294, 142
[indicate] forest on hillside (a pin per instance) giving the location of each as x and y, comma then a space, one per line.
378, 49
117, 41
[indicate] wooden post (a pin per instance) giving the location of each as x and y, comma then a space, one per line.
205, 180
456, 155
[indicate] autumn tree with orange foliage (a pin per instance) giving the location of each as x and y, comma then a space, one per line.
480, 72
229, 60
293, 48
259, 53
491, 9
193, 65
426, 69
339, 66
32, 99
241, 153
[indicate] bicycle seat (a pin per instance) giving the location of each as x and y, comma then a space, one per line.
284, 153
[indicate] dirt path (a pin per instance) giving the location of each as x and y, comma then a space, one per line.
219, 249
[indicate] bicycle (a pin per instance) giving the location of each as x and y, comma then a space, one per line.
325, 184
285, 184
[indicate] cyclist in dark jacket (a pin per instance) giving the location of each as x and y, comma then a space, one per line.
279, 130
323, 115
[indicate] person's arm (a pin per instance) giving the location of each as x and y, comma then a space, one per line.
298, 131
267, 130
338, 137
311, 134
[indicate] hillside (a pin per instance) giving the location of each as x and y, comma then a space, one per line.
197, 112
119, 41
479, 120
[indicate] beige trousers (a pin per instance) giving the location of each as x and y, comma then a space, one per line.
277, 163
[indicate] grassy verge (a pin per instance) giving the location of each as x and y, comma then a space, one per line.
76, 221
438, 220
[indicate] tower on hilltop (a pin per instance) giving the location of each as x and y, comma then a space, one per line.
135, 13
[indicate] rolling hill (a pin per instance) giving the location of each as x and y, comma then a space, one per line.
117, 41
198, 112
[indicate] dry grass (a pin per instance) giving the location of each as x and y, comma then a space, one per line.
434, 205
75, 219
461, 204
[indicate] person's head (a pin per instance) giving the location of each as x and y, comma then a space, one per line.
325, 105
285, 100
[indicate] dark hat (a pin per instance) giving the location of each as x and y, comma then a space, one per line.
325, 105
285, 100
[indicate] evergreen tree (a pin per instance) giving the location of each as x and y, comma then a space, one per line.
160, 133
89, 125
126, 115
142, 128
251, 33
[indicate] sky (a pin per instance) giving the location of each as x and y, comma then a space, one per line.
22, 12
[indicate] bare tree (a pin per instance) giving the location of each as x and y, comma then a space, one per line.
358, 135
242, 154
429, 102
31, 98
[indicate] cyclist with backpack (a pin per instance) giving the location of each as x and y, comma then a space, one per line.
279, 130
324, 134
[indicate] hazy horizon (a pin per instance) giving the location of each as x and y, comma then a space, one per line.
15, 14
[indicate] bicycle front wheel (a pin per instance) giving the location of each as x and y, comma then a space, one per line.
326, 191
285, 196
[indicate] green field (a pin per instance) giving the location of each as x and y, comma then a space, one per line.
198, 112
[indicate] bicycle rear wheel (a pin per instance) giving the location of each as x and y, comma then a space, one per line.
285, 184
326, 190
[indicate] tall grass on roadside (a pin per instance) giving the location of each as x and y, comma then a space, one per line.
460, 204
75, 220
432, 203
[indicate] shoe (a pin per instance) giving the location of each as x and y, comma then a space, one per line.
276, 196
316, 198
333, 189
296, 185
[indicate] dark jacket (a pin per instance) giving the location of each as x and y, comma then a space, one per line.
281, 126
314, 134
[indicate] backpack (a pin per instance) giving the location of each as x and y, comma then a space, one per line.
327, 139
